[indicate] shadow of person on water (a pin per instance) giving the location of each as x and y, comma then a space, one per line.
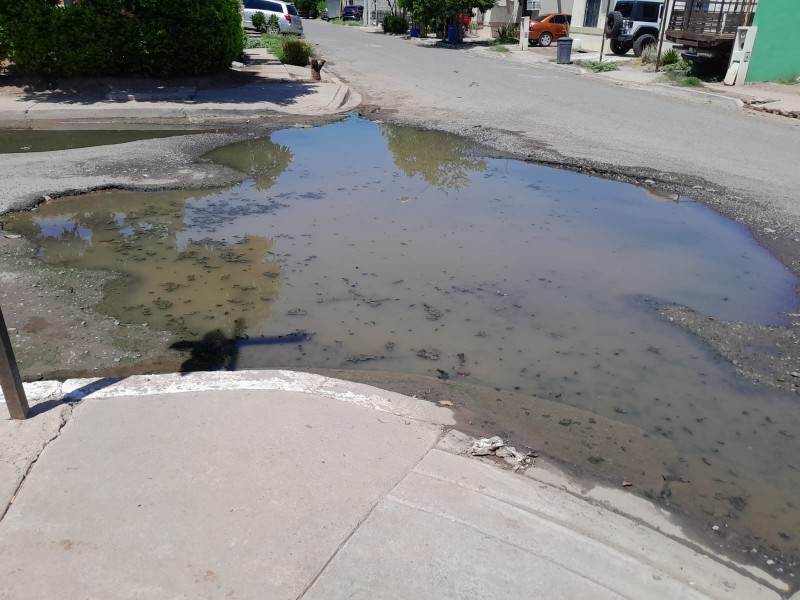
214, 352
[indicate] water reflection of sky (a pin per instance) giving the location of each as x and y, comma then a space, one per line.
62, 227
121, 220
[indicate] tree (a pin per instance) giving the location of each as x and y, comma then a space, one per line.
441, 13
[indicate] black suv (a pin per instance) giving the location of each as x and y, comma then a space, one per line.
634, 24
351, 13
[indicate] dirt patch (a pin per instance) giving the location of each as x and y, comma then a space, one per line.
53, 324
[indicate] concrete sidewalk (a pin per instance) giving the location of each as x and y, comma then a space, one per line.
274, 484
273, 88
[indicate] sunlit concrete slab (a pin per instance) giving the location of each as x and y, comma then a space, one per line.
201, 495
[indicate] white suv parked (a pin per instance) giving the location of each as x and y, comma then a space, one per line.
288, 19
634, 24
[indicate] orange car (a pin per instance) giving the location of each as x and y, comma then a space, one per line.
546, 28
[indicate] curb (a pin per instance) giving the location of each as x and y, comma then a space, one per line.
77, 390
708, 97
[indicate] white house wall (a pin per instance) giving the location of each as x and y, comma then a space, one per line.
556, 6
590, 37
505, 12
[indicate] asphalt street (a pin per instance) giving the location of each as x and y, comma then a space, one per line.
745, 162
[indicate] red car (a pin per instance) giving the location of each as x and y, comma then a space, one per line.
546, 28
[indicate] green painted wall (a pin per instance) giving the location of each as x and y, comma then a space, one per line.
776, 55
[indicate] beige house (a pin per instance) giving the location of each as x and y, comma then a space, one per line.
509, 12
588, 21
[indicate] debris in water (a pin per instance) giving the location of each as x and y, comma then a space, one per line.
353, 358
432, 313
626, 483
462, 358
389, 346
296, 312
445, 403
429, 354
675, 478
443, 375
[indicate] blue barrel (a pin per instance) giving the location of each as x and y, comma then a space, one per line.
451, 33
563, 51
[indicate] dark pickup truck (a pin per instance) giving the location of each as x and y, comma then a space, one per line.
707, 28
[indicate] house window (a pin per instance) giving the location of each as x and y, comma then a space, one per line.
534, 5
592, 14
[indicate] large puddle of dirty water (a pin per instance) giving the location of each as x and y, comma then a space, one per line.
367, 246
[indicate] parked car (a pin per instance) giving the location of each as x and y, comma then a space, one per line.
289, 20
351, 13
546, 28
634, 24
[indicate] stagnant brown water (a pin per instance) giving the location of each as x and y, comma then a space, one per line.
378, 247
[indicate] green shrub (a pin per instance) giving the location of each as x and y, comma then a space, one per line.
597, 66
5, 43
679, 68
688, 82
160, 38
670, 57
296, 52
507, 34
259, 22
272, 24
394, 24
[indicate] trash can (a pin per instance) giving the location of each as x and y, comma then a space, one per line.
563, 51
451, 33
414, 32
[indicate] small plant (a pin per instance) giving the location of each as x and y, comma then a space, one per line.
394, 24
499, 48
296, 52
681, 67
272, 24
690, 81
259, 22
670, 57
507, 34
597, 66
649, 54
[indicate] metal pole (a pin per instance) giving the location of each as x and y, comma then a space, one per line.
10, 381
602, 43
